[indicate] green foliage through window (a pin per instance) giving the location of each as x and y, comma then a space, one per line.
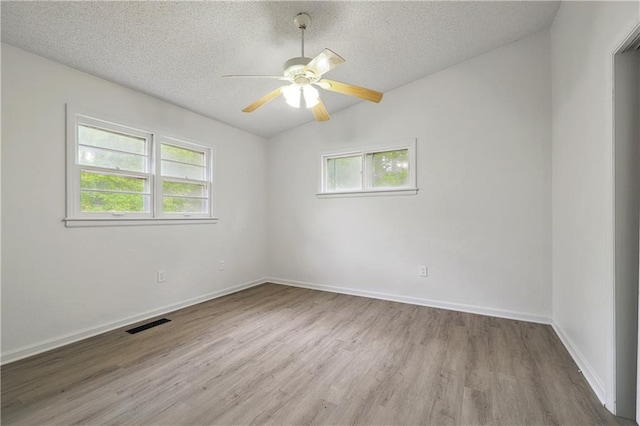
181, 188
101, 201
375, 170
390, 169
90, 180
118, 169
176, 153
183, 197
184, 205
111, 202
344, 173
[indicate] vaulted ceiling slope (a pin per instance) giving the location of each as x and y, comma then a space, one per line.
177, 51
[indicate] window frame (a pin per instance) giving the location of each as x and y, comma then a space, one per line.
154, 139
165, 140
366, 154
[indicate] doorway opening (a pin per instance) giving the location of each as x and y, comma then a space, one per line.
627, 224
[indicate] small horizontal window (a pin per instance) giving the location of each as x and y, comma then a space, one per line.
380, 170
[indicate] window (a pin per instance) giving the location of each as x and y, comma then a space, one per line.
118, 175
184, 179
375, 171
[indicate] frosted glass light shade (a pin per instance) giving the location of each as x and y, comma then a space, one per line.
310, 96
292, 95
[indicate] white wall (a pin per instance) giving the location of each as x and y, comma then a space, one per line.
584, 37
482, 218
60, 283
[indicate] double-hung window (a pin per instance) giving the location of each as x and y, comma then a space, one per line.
112, 170
384, 170
120, 175
184, 185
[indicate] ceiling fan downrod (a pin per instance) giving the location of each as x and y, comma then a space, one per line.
302, 20
303, 73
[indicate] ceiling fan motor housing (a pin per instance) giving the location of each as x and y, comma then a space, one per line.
294, 69
303, 73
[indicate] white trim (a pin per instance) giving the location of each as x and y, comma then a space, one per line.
376, 193
630, 38
452, 306
96, 223
611, 388
66, 339
610, 395
49, 344
587, 370
596, 383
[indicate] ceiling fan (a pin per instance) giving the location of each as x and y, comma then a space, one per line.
303, 73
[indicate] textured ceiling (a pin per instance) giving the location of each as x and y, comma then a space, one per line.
177, 51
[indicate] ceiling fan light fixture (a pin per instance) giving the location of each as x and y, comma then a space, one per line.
302, 73
292, 95
311, 96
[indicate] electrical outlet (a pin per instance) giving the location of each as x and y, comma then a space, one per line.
221, 265
162, 276
424, 271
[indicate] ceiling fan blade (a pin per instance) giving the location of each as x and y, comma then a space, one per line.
351, 90
263, 100
320, 112
276, 77
325, 61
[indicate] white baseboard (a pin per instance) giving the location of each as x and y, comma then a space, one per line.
56, 342
587, 370
452, 306
596, 383
589, 373
592, 378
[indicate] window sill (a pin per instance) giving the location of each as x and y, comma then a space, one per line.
374, 193
93, 223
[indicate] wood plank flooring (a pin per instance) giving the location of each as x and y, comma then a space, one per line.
282, 355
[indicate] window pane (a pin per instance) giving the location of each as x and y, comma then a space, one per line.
179, 188
344, 173
113, 160
90, 180
180, 170
105, 139
91, 201
390, 169
170, 152
184, 205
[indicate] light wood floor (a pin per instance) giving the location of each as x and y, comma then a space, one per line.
276, 354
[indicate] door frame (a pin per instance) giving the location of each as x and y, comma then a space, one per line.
611, 382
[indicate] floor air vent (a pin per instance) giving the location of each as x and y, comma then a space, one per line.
147, 326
